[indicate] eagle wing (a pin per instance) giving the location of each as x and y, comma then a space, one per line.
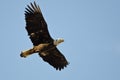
36, 26
54, 57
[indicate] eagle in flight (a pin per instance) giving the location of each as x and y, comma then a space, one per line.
43, 43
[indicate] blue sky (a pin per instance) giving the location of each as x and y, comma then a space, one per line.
91, 29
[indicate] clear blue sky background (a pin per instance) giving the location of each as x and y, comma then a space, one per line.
91, 29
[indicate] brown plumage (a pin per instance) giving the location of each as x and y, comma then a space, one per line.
43, 43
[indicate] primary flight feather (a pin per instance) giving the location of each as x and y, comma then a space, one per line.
43, 43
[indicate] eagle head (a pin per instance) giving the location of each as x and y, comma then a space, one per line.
58, 41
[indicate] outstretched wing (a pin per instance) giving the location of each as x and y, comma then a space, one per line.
36, 25
54, 57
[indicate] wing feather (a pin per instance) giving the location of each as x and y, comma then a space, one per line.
36, 26
30, 9
55, 58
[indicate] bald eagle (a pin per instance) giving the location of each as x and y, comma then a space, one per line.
43, 43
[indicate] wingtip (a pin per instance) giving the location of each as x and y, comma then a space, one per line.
33, 7
62, 67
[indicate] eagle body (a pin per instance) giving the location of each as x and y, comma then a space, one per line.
43, 43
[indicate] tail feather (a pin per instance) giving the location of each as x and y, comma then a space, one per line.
27, 53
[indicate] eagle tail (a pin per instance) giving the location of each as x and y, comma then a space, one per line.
27, 53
